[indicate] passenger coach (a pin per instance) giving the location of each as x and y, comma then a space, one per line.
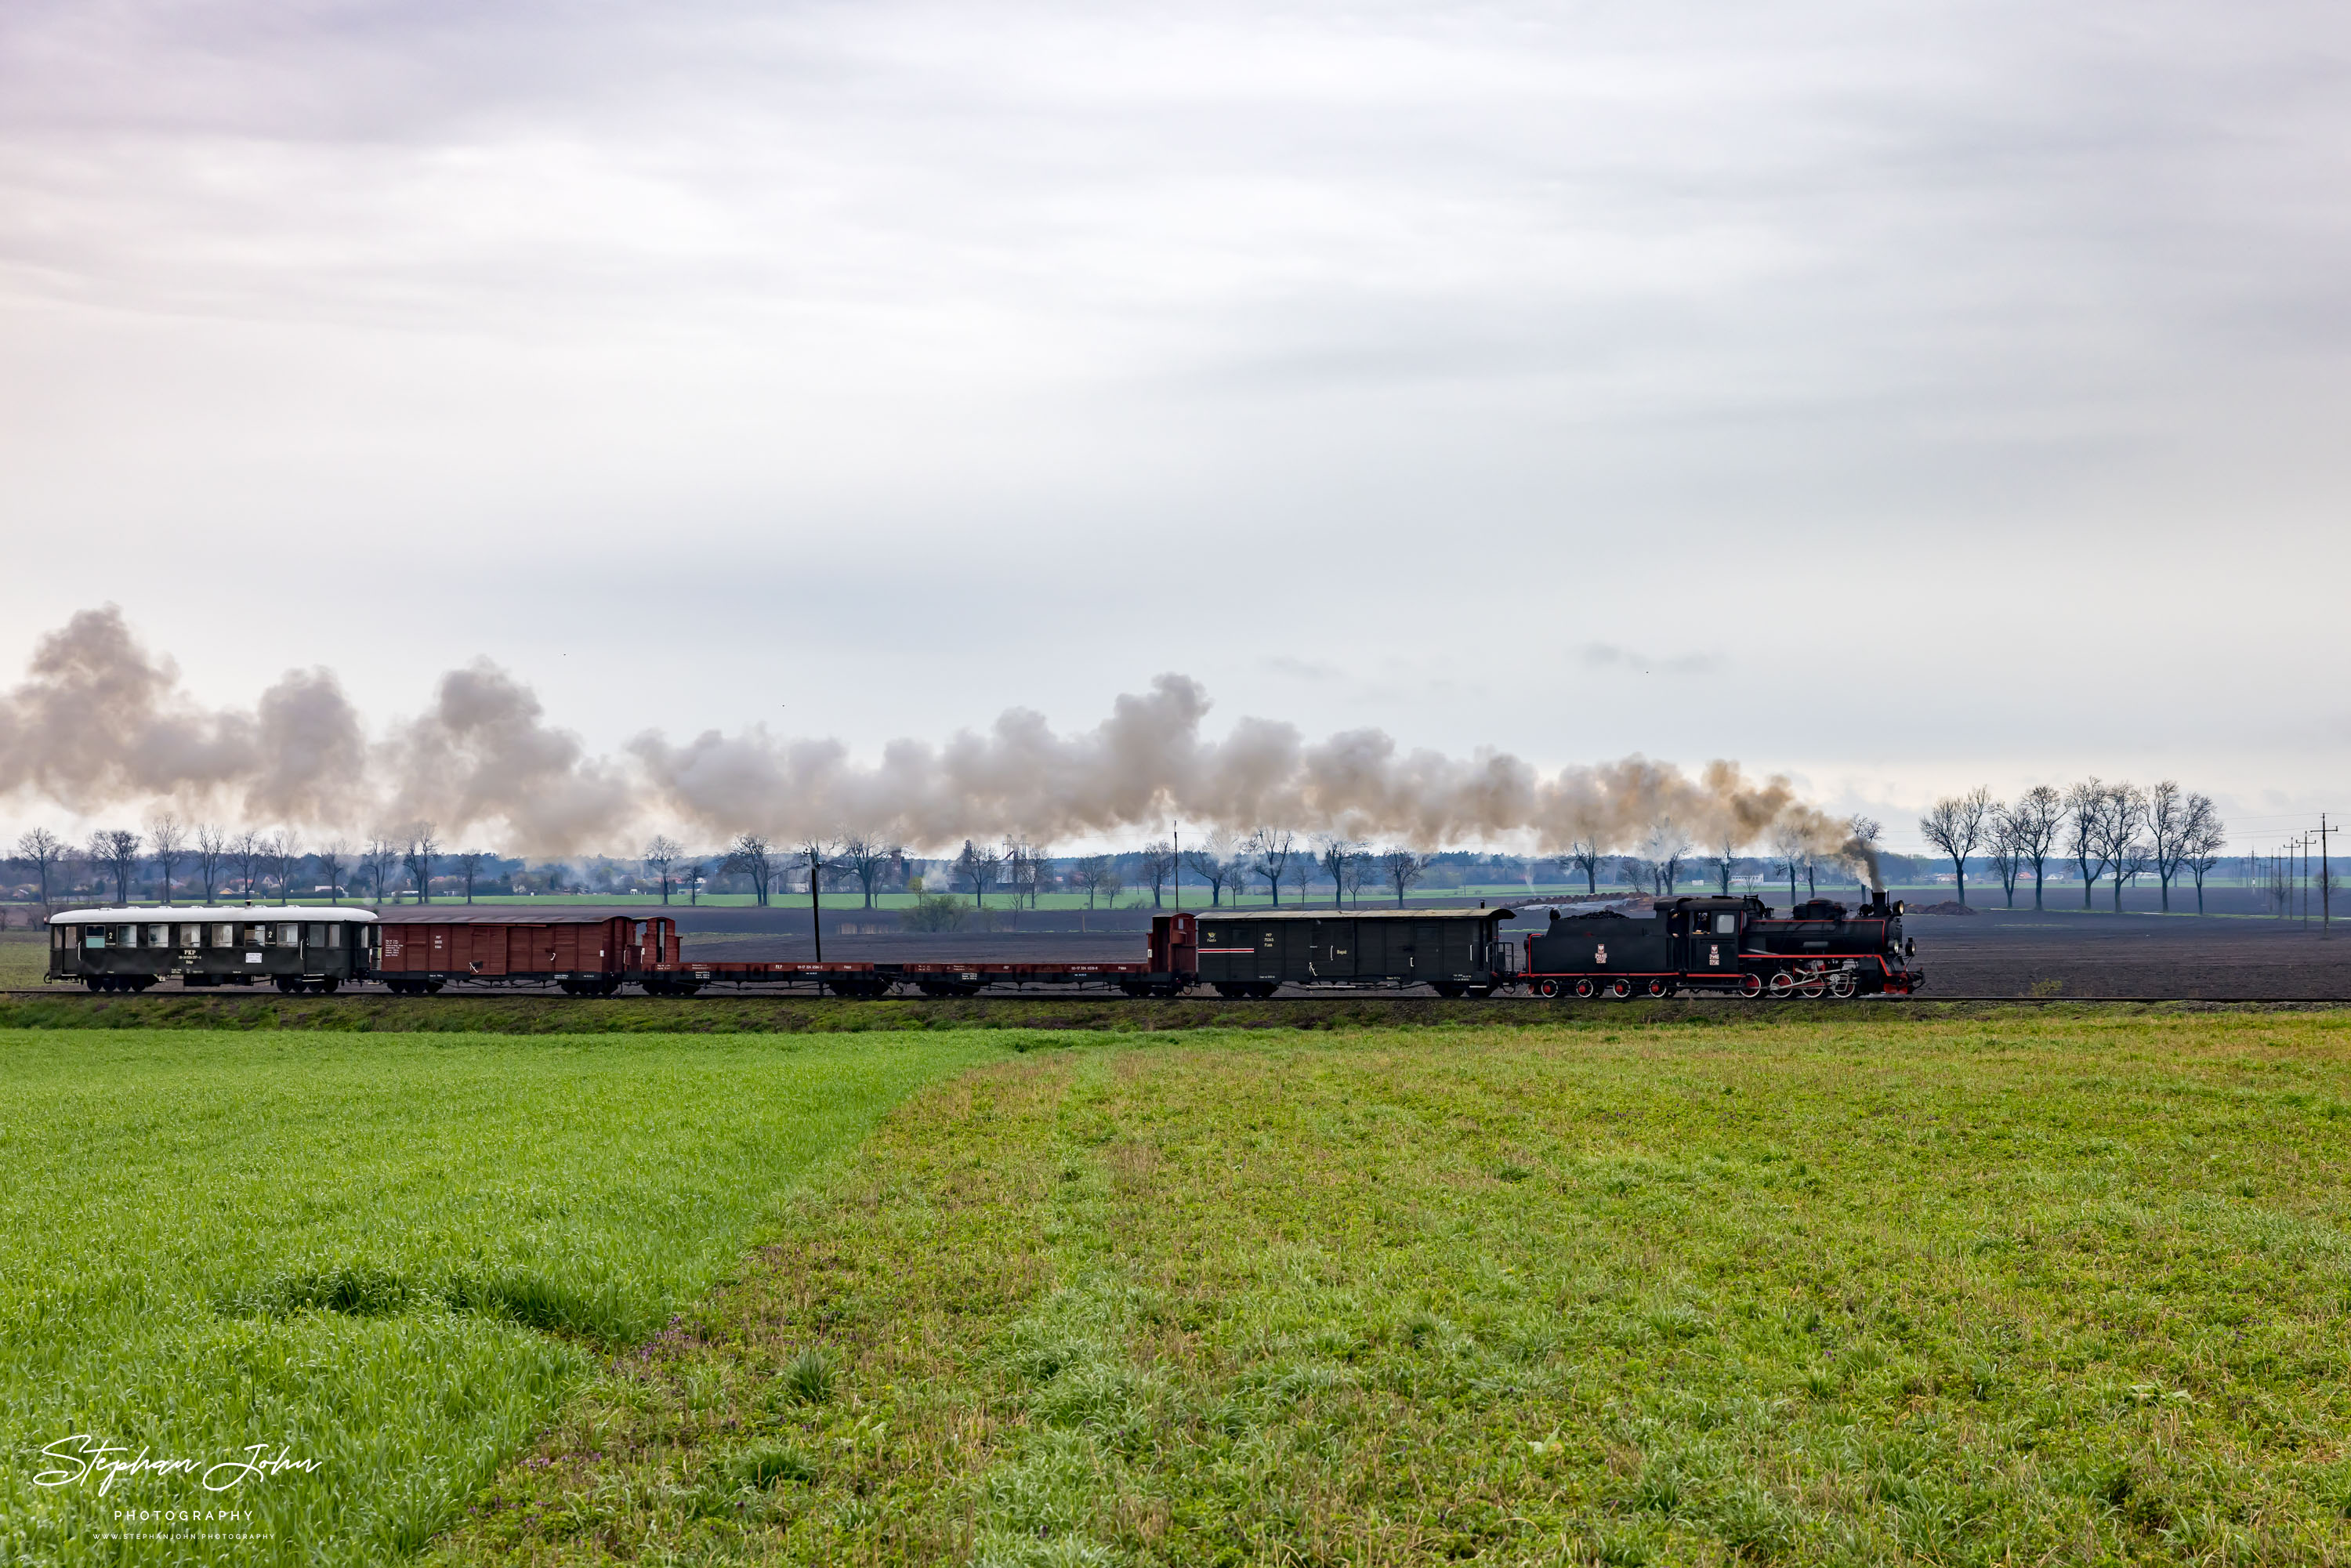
295, 949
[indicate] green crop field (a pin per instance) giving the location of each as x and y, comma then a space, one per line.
1833, 1286
391, 1256
2015, 1288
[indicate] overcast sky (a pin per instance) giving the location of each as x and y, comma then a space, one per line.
1904, 396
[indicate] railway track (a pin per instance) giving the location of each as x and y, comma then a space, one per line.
373, 994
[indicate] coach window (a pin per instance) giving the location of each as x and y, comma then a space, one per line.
251, 937
223, 936
159, 936
290, 935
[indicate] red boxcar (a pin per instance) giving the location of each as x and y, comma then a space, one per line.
588, 953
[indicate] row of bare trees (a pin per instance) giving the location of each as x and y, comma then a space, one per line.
216, 860
2115, 831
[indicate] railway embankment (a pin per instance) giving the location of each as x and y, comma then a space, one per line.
811, 1015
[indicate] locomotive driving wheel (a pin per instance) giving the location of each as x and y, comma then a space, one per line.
1783, 983
1841, 983
1750, 986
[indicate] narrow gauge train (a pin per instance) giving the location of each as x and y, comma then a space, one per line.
1727, 945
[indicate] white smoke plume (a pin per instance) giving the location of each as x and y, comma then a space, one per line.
101, 723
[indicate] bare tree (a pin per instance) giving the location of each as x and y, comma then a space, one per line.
2086, 808
1789, 846
1213, 862
690, 876
751, 856
1269, 850
2166, 834
1725, 862
212, 853
2034, 821
1400, 868
469, 866
980, 867
1663, 848
167, 840
381, 855
248, 850
661, 854
418, 858
1023, 869
2007, 855
1583, 854
2203, 841
331, 866
1157, 866
868, 857
1338, 856
1098, 875
1352, 877
44, 850
1861, 851
1956, 826
286, 849
115, 850
2120, 822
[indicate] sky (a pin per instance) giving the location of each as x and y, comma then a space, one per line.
1898, 397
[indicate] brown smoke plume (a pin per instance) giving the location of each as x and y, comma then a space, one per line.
100, 722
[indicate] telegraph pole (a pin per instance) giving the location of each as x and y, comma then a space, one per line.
1175, 843
2326, 882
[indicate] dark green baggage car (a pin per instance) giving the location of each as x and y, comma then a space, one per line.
1460, 952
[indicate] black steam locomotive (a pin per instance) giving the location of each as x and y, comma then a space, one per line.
1731, 946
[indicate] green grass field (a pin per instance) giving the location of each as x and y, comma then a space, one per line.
392, 1256
1863, 1287
2020, 1289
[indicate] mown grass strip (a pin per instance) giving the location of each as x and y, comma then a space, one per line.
1980, 1291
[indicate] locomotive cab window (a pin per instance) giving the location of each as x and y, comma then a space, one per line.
1726, 925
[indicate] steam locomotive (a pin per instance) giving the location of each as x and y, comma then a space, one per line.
1732, 947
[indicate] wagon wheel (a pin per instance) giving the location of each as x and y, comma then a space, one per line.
1619, 990
1659, 987
1546, 988
1585, 990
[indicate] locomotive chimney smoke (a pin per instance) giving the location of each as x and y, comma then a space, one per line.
101, 723
482, 758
